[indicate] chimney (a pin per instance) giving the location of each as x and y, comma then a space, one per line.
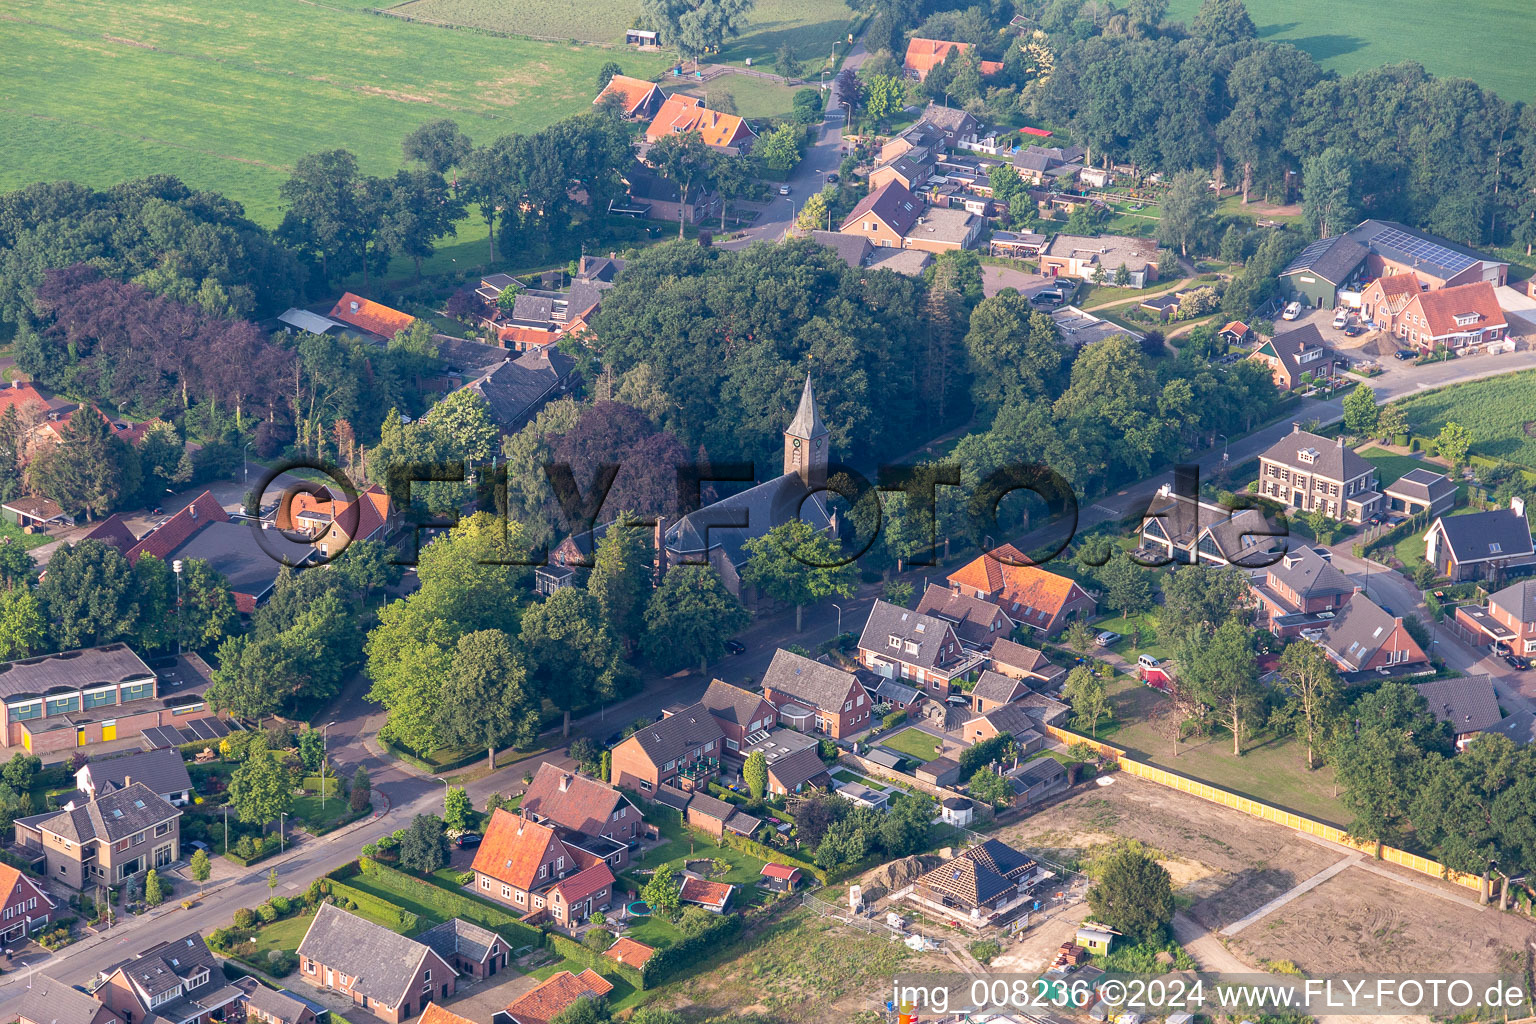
16, 384
1295, 427
522, 819
1517, 506
354, 307
1341, 440
565, 783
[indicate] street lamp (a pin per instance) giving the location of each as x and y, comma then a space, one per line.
324, 746
226, 828
245, 460
176, 569
1223, 448
839, 618
282, 831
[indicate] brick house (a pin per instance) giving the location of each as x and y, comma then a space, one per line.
114, 834
1180, 528
1300, 591
1462, 318
27, 906
549, 998
1313, 474
1363, 639
977, 622
993, 690
471, 950
1027, 593
923, 650
1421, 490
885, 216
528, 866
388, 975
1469, 705
274, 1006
585, 806
330, 522
812, 696
1384, 299
1480, 545
1083, 257
176, 980
44, 1000
1027, 663
638, 98
1509, 618
1393, 248
370, 317
681, 749
1293, 354
740, 712
679, 114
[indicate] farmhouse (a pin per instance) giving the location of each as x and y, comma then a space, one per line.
656, 198
1026, 593
1394, 248
1481, 545
515, 389
923, 55
638, 98
1313, 474
529, 866
1461, 318
679, 114
374, 319
551, 997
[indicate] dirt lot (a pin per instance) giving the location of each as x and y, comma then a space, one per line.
1225, 865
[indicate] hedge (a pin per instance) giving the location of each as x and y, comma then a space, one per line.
457, 903
979, 755
572, 950
769, 854
667, 963
270, 846
394, 918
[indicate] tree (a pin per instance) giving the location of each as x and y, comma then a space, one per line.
439, 145
487, 699
1085, 692
1453, 443
755, 774
574, 659
22, 626
457, 809
1168, 267
1220, 669
154, 889
1313, 696
780, 149
622, 569
417, 209
796, 564
1185, 211
312, 749
585, 1010
1078, 636
361, 790
272, 881
259, 790
1233, 244
817, 211
89, 596
1328, 199
606, 72
1014, 351
368, 565
1201, 597
424, 847
88, 470
689, 618
1390, 422
1133, 894
1380, 763
16, 565
202, 868
696, 27
207, 612
1360, 412
324, 219
1125, 584
785, 62
884, 96
684, 160
990, 787
661, 893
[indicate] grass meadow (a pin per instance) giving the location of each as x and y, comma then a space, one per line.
1496, 410
227, 96
1489, 42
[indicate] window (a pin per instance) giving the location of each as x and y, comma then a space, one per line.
21, 712
136, 691
519, 897
709, 746
858, 700
99, 698
669, 766
506, 891
645, 786
426, 976
162, 829
485, 883
63, 705
560, 863
848, 706
138, 840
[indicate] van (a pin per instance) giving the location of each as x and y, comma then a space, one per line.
1340, 319
1147, 662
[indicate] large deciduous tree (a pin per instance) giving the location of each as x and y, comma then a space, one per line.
486, 699
574, 657
795, 564
689, 618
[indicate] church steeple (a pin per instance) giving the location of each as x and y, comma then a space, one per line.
805, 441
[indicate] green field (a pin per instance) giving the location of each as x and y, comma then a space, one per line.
227, 96
1489, 42
1500, 411
913, 743
809, 26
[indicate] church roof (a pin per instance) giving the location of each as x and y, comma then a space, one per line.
807, 422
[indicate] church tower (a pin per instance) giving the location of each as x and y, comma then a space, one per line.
805, 441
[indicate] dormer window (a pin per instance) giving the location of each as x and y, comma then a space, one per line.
894, 642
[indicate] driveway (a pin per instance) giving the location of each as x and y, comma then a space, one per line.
994, 279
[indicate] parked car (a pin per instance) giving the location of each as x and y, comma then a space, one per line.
1377, 519
1500, 647
1147, 661
735, 647
1353, 331
1292, 311
1515, 661
467, 840
1106, 638
958, 699
832, 178
1341, 319
783, 190
1404, 353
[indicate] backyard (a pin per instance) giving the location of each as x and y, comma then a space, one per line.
914, 743
1391, 466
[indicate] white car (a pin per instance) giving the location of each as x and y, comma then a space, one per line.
784, 190
1147, 661
1341, 320
1291, 312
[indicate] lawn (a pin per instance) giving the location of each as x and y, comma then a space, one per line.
810, 27
1127, 647
1497, 410
1390, 467
1271, 769
308, 808
913, 743
844, 775
434, 903
11, 533
284, 935
273, 82
1489, 43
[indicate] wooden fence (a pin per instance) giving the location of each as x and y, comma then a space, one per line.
1268, 812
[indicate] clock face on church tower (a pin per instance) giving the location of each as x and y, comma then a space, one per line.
796, 442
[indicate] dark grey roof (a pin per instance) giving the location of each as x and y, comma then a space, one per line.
1022, 237
72, 670
896, 691
797, 767
382, 962
1331, 461
916, 165
711, 806
46, 1001
249, 562
1357, 632
883, 757
581, 298
1046, 710
601, 269
929, 632
461, 937
163, 771
1026, 659
281, 1004
467, 357
732, 521
168, 965
948, 119
1402, 244
1041, 769
731, 703
996, 687
1018, 719
852, 249
1422, 485
533, 309
1332, 259
1477, 536
998, 856
672, 796
807, 422
1309, 575
1237, 533
1469, 705
1519, 727
1518, 599
111, 816
677, 734
968, 882
972, 617
514, 388
821, 687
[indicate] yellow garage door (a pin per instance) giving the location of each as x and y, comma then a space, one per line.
108, 731
79, 735
26, 741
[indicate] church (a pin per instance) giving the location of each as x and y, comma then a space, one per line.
717, 534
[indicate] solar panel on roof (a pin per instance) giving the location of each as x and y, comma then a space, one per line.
1424, 249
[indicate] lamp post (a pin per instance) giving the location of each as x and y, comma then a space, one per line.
1223, 448
282, 831
325, 740
226, 828
176, 571
245, 460
839, 618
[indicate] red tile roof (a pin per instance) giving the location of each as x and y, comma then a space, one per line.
1040, 133
1399, 284
178, 529
1236, 327
435, 1014
1011, 581
628, 951
585, 804
1466, 307
24, 397
513, 849
114, 531
689, 114
370, 316
991, 67
526, 337
577, 887
705, 894
923, 55
784, 871
632, 90
544, 1002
